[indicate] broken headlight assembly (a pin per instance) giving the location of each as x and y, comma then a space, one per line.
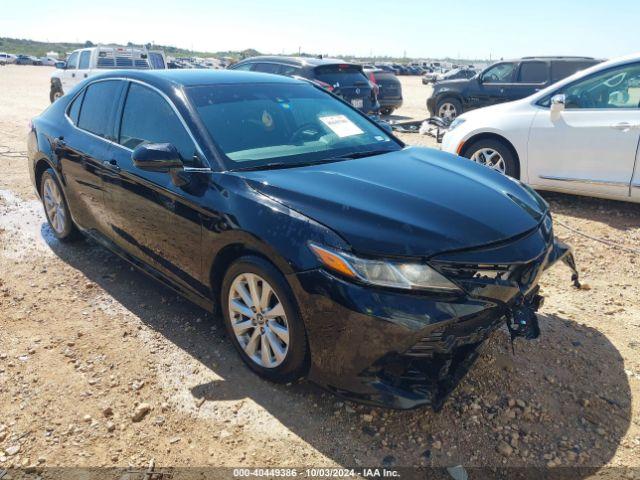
384, 273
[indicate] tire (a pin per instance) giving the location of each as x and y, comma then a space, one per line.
56, 208
386, 111
294, 364
510, 162
448, 104
55, 94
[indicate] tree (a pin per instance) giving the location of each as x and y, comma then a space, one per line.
88, 44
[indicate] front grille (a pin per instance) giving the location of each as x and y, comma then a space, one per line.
523, 274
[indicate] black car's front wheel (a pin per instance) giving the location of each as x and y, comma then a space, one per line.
448, 109
262, 320
56, 208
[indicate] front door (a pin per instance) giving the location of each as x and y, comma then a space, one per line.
496, 84
591, 146
151, 217
68, 76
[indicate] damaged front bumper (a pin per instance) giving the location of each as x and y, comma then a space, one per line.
407, 349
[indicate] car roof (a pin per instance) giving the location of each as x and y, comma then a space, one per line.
301, 61
187, 78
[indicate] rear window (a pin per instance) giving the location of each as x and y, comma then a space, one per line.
533, 72
99, 106
342, 74
560, 70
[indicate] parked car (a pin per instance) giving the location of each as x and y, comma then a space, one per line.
578, 136
347, 80
7, 58
389, 89
27, 60
49, 61
502, 82
302, 220
86, 62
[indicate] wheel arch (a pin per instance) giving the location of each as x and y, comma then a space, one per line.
228, 254
492, 136
39, 167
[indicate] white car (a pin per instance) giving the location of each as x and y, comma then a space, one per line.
48, 61
580, 135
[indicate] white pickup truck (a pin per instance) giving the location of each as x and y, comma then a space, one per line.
86, 62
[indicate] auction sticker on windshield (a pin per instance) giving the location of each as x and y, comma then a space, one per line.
341, 125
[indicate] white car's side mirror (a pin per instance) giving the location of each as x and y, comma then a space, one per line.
557, 103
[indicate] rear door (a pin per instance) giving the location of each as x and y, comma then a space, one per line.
150, 217
532, 76
86, 148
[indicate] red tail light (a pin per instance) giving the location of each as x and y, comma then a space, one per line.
372, 79
324, 85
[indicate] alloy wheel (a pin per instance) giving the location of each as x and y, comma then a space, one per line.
258, 320
54, 205
490, 158
448, 111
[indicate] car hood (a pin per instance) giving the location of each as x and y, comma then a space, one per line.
455, 83
412, 202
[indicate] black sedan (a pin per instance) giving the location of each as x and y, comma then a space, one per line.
331, 249
389, 89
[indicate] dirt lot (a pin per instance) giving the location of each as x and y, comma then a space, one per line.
85, 342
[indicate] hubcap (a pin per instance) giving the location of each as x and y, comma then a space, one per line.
54, 206
258, 320
447, 111
489, 158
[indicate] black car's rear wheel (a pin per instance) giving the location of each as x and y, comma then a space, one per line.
262, 320
56, 208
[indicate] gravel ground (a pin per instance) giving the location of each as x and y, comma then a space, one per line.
101, 367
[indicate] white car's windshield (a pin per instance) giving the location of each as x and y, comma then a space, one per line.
257, 125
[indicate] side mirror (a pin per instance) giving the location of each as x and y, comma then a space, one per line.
156, 157
558, 102
61, 65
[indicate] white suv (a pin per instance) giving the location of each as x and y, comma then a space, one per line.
580, 135
86, 62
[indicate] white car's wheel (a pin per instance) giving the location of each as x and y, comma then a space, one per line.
494, 154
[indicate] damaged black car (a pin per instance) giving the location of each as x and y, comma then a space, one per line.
332, 250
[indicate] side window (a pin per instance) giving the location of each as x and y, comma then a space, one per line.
289, 70
99, 106
500, 73
617, 87
245, 67
72, 61
562, 69
147, 117
266, 67
74, 109
84, 60
533, 72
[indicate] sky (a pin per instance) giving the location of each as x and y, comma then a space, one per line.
418, 29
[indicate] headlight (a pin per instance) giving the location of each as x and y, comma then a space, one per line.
384, 273
456, 123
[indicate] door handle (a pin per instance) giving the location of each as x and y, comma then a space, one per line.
85, 75
625, 126
111, 165
73, 75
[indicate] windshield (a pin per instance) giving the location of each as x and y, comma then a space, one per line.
260, 124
